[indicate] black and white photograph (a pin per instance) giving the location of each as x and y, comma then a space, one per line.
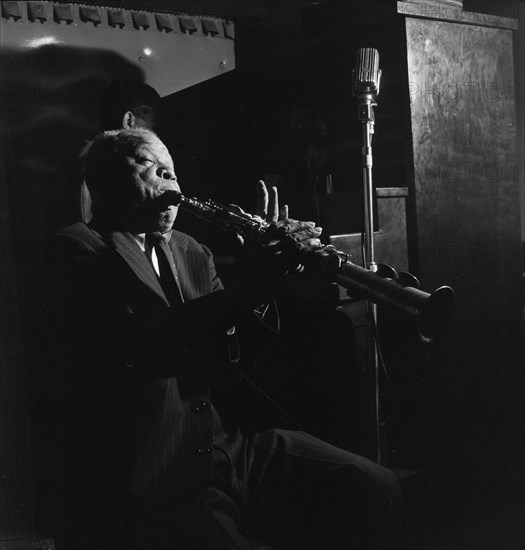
262, 275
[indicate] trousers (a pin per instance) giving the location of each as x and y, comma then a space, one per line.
288, 490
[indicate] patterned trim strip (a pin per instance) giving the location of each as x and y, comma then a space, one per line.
102, 17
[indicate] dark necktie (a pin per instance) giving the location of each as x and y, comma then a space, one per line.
167, 271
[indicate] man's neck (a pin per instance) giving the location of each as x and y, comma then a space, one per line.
141, 238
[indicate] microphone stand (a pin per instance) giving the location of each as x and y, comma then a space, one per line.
367, 118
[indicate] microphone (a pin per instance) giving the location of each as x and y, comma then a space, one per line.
366, 76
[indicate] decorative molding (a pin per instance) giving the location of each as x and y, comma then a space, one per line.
27, 543
449, 12
390, 192
50, 13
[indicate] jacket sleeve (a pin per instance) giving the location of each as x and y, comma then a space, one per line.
101, 325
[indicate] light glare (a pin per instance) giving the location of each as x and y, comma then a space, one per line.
42, 41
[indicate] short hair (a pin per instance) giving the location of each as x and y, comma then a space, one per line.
126, 95
103, 164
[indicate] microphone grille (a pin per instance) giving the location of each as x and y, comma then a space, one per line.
367, 73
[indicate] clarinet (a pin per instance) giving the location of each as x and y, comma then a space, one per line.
433, 312
324, 258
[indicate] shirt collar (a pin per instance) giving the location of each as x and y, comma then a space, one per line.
141, 239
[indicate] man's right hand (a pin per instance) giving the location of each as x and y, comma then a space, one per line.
288, 242
268, 204
268, 264
291, 238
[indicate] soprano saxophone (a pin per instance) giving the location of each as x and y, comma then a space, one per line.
433, 312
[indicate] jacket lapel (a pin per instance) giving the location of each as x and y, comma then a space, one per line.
129, 250
192, 271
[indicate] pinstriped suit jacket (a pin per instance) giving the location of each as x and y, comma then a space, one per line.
138, 366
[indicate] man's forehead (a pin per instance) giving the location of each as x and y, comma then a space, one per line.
152, 143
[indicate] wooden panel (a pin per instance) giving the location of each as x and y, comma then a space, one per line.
464, 146
465, 229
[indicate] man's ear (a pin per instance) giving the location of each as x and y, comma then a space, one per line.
128, 121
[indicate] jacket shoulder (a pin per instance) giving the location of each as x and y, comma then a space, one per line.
80, 233
78, 230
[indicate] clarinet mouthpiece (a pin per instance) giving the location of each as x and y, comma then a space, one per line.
169, 198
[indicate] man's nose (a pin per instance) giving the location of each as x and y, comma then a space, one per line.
166, 174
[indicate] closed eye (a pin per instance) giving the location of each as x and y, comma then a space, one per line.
144, 160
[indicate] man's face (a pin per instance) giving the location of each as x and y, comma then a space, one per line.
148, 173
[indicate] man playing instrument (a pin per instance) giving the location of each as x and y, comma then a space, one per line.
140, 327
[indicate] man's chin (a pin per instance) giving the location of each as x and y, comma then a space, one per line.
145, 220
164, 221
